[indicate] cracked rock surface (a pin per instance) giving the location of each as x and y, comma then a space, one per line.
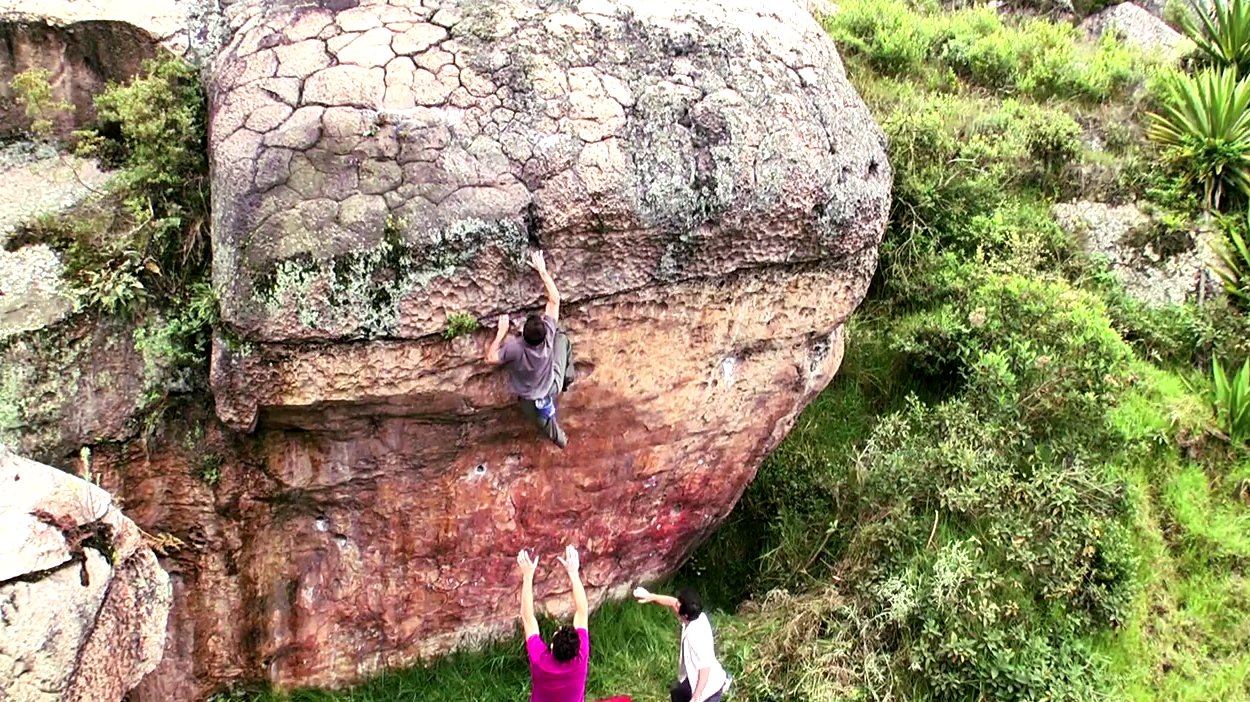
83, 601
640, 144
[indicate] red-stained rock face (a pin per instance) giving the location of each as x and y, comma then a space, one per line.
389, 530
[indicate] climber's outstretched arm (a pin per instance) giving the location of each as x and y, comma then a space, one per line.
644, 597
528, 622
581, 608
553, 293
492, 351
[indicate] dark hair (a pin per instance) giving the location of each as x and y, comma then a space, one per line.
565, 644
535, 332
688, 604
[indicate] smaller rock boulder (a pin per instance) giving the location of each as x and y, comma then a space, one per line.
1139, 28
83, 600
1155, 264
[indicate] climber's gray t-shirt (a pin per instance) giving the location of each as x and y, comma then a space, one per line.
530, 368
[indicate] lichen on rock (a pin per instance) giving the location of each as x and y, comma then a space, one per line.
358, 293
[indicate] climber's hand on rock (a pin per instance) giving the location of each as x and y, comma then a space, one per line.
537, 262
571, 561
503, 322
642, 595
527, 564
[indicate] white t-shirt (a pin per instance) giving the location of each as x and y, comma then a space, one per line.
698, 651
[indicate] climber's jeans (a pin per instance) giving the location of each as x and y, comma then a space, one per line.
543, 412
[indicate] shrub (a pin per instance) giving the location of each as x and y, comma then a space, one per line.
888, 34
1204, 128
175, 345
1054, 140
976, 564
459, 324
161, 117
979, 533
1032, 352
1221, 32
1232, 400
33, 91
1038, 58
116, 286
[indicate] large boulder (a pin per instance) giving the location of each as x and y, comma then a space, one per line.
710, 191
83, 600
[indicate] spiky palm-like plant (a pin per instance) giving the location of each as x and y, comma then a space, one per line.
1204, 127
1232, 400
1221, 30
1235, 273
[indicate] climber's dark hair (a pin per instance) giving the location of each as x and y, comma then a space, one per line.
565, 644
688, 604
535, 332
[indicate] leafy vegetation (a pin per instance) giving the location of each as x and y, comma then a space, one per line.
32, 89
1232, 400
163, 182
1221, 31
1204, 128
140, 252
1235, 273
459, 324
975, 45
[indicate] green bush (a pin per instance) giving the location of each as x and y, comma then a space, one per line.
1036, 353
32, 90
1037, 58
1188, 335
1204, 128
459, 324
1221, 31
1234, 254
979, 532
1053, 142
175, 345
162, 119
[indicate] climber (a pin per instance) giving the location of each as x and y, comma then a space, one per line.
557, 674
539, 361
697, 664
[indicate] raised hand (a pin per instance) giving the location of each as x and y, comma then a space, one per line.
642, 595
525, 563
503, 321
571, 561
537, 262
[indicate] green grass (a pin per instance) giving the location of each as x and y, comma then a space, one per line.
1189, 639
1210, 529
633, 652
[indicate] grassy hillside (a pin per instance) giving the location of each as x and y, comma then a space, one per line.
1020, 486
